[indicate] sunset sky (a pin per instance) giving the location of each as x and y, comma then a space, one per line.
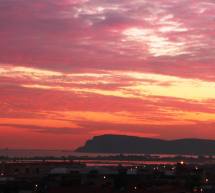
72, 69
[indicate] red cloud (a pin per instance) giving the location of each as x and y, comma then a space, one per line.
60, 42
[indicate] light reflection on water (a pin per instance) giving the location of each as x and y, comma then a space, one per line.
123, 163
97, 163
66, 153
97, 159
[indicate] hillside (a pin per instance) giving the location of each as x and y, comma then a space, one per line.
130, 144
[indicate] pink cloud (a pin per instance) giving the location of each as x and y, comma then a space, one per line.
57, 40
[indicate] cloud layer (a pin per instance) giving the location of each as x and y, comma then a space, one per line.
72, 69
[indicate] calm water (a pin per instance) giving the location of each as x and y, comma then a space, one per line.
33, 153
65, 153
46, 153
123, 163
89, 161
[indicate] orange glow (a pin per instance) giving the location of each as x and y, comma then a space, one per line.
138, 68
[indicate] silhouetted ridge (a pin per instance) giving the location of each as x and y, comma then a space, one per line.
131, 144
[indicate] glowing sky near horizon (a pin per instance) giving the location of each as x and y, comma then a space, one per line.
72, 69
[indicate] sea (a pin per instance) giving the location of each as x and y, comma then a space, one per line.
89, 158
30, 153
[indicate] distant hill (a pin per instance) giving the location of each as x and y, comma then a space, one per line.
130, 144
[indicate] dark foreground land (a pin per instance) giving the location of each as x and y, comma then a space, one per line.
69, 177
130, 144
